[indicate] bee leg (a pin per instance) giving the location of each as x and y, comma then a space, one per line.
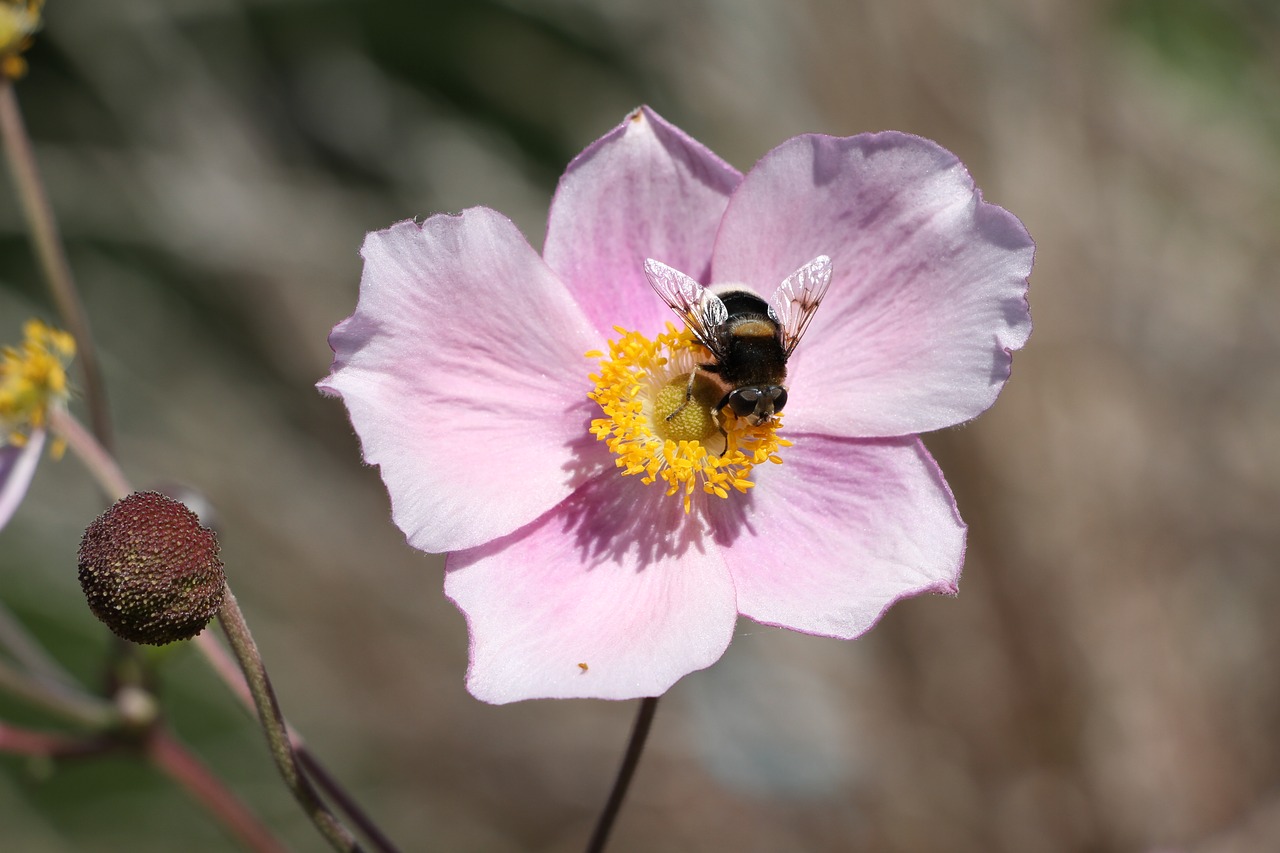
688, 395
715, 416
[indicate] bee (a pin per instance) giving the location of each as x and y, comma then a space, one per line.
749, 339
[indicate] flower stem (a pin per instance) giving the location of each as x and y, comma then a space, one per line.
44, 744
28, 653
246, 652
639, 735
231, 675
47, 243
82, 709
321, 776
171, 758
92, 453
180, 765
115, 485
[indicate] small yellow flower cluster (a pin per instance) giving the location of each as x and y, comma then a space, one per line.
19, 21
33, 380
667, 436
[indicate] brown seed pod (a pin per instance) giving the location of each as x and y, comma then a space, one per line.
150, 570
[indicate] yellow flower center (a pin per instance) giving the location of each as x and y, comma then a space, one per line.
33, 379
19, 21
667, 429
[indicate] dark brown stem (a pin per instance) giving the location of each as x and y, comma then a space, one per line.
227, 670
639, 734
47, 243
345, 802
264, 697
115, 485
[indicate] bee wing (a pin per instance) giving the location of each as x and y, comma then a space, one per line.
702, 311
798, 297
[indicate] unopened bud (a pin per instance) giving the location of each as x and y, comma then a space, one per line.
150, 570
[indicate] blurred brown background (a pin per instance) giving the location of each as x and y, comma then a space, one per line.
1107, 678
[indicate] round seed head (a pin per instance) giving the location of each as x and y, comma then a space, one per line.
150, 570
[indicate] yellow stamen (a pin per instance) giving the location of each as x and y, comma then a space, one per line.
658, 432
33, 380
19, 21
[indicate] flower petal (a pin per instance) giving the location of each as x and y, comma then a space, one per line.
643, 190
840, 531
617, 578
17, 468
928, 294
463, 371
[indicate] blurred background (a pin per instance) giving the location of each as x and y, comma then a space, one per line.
1106, 679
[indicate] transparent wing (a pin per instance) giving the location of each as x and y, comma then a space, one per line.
702, 311
798, 297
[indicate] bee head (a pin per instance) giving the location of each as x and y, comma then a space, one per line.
757, 403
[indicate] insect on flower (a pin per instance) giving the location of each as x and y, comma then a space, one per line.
609, 520
749, 339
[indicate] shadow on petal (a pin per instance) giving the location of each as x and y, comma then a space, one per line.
1001, 227
619, 519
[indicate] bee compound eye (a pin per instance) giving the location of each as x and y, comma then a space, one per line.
743, 401
779, 395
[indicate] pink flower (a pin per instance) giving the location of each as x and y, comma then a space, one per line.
464, 375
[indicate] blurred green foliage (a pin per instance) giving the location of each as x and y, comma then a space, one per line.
1227, 46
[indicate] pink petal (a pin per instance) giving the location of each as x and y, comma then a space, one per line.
928, 295
17, 468
840, 531
617, 578
643, 190
464, 374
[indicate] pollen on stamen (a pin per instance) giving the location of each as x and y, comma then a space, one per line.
33, 380
19, 21
665, 429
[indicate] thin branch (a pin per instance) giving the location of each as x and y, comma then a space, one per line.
639, 735
51, 255
171, 758
115, 485
90, 451
71, 705
180, 765
345, 802
230, 673
28, 653
48, 745
246, 652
